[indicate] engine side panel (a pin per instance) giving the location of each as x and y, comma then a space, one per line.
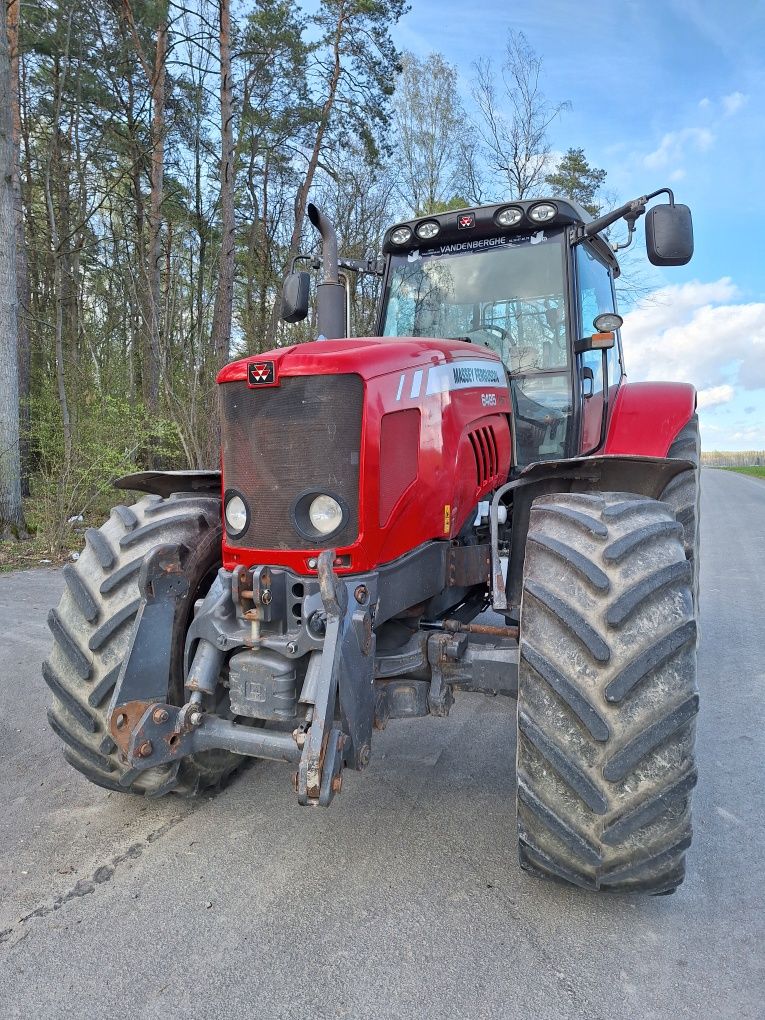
648, 416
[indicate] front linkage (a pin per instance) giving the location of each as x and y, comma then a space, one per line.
299, 658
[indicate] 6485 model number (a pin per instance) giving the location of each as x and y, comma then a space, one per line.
489, 399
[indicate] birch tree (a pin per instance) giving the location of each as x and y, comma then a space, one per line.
515, 117
429, 124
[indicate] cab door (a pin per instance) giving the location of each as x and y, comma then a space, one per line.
598, 372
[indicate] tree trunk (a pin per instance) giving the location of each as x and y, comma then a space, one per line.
22, 270
155, 218
11, 513
224, 294
52, 183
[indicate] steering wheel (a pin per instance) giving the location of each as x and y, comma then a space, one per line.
487, 328
534, 413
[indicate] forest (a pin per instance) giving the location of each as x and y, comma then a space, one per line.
157, 160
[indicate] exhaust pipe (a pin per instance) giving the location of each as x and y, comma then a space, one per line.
330, 294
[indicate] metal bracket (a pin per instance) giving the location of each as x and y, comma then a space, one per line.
342, 672
165, 733
441, 648
145, 672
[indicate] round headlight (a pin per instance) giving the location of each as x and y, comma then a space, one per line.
400, 235
427, 230
509, 217
236, 515
325, 514
607, 322
543, 212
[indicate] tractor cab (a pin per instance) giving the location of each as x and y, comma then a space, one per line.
519, 280
531, 280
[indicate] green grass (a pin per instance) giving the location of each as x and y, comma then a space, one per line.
757, 472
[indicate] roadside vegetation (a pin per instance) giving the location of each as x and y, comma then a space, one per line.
157, 159
756, 472
155, 164
735, 459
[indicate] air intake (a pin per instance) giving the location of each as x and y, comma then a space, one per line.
484, 444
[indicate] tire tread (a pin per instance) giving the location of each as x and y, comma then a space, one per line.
605, 766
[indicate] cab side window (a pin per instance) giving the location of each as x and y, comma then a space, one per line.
596, 295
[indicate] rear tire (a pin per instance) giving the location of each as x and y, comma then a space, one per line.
607, 694
91, 629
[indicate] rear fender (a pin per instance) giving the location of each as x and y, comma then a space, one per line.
648, 416
647, 476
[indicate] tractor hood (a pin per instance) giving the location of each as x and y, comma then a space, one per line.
367, 357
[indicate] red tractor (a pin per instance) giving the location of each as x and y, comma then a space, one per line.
377, 497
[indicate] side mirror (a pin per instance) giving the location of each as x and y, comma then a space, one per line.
295, 296
669, 235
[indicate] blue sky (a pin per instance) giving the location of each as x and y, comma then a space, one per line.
663, 92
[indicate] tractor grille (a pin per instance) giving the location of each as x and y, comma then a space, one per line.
282, 441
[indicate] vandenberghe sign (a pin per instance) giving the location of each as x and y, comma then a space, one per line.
484, 242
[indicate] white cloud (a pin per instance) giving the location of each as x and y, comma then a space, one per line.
705, 103
698, 332
714, 395
674, 145
732, 104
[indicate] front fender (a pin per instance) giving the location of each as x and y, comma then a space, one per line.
648, 416
165, 483
646, 476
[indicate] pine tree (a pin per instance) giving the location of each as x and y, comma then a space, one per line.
576, 178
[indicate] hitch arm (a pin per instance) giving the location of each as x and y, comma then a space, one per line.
343, 669
144, 677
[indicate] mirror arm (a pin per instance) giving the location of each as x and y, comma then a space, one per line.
630, 211
370, 266
315, 263
631, 219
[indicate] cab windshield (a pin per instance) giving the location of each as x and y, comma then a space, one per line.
505, 293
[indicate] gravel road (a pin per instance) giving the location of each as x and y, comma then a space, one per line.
404, 899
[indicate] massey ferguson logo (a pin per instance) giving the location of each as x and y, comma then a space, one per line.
464, 376
261, 373
466, 221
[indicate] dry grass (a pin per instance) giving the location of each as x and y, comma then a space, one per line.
733, 459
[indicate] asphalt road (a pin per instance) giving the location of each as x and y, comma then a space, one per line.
404, 899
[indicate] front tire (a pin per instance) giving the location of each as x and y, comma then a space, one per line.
607, 694
91, 630
683, 493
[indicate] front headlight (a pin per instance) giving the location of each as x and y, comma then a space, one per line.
325, 514
317, 515
427, 230
509, 217
543, 212
236, 515
401, 235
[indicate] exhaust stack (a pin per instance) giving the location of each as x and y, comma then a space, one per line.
330, 294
